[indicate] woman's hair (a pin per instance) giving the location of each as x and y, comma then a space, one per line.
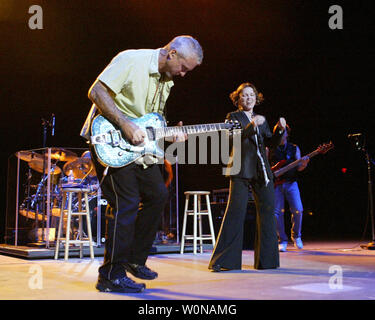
186, 46
235, 95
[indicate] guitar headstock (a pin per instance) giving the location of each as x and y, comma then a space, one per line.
324, 148
233, 125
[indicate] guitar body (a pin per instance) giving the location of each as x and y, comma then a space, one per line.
115, 151
276, 167
278, 182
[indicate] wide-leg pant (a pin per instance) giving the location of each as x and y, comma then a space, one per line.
228, 249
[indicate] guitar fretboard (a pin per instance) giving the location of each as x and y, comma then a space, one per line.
191, 129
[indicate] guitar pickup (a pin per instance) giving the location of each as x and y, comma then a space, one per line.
151, 133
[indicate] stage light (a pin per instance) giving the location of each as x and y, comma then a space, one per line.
344, 170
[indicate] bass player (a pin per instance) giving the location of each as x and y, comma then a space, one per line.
286, 188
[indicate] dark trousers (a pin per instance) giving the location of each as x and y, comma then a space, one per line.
228, 249
136, 199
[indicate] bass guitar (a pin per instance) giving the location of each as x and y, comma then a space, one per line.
279, 168
113, 150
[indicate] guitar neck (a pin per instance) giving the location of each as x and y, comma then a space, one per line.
292, 165
166, 132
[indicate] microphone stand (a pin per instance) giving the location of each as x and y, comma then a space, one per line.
370, 245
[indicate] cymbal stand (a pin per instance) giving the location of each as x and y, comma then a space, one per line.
46, 124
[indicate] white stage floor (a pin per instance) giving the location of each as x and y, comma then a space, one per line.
321, 271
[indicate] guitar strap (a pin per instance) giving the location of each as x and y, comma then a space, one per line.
158, 93
85, 131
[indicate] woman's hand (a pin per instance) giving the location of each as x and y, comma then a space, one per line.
258, 120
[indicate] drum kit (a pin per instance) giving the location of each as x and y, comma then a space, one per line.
66, 168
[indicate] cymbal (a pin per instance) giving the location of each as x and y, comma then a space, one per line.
61, 154
37, 165
28, 155
80, 168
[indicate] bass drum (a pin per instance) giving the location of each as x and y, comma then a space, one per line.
93, 206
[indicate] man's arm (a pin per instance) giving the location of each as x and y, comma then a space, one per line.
103, 99
274, 139
304, 161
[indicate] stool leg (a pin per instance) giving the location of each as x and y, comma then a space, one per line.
79, 196
57, 248
184, 225
200, 224
68, 225
88, 220
195, 225
212, 230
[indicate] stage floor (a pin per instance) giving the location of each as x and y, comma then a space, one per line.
329, 270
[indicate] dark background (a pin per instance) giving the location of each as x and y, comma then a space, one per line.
320, 80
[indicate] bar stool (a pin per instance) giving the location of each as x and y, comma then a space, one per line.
197, 212
68, 195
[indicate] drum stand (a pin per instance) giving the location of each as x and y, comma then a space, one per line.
39, 199
28, 199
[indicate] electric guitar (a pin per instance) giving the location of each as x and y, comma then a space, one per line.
279, 169
115, 151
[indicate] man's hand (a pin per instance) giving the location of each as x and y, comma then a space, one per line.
178, 137
303, 163
282, 123
133, 133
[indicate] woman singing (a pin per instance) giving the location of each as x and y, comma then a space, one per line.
255, 173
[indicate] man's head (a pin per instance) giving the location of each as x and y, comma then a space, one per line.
182, 55
284, 138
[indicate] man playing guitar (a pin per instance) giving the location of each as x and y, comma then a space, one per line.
134, 84
286, 188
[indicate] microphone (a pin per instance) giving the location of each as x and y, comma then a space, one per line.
53, 124
352, 135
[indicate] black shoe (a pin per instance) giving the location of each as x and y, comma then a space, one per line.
218, 268
125, 285
141, 272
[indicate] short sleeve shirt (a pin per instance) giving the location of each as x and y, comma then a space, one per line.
134, 78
